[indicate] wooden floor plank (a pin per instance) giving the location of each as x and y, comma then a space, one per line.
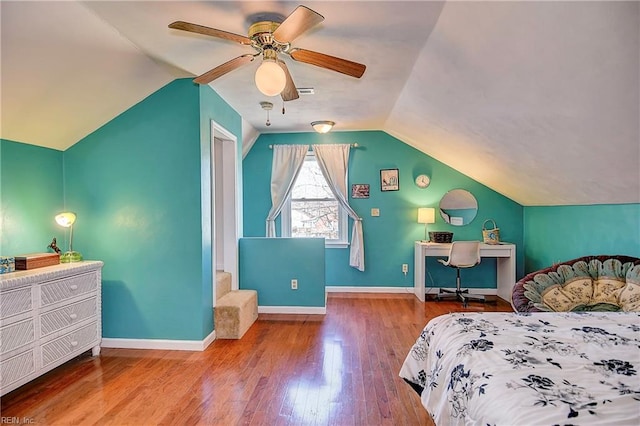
335, 369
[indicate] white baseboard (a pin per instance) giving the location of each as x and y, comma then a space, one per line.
404, 290
162, 344
341, 289
304, 310
208, 340
483, 291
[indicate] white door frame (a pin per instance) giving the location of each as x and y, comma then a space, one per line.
228, 160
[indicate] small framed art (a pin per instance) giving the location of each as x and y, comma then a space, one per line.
360, 190
389, 180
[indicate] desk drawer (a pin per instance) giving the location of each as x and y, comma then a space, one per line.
15, 335
14, 302
72, 314
63, 346
67, 288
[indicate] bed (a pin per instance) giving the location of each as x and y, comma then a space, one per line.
528, 369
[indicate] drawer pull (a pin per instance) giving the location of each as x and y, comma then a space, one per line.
74, 343
73, 287
73, 316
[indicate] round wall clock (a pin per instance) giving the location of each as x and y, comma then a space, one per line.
422, 181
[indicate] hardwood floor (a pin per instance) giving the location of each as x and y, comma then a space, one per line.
335, 369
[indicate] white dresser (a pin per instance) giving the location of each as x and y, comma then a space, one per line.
47, 316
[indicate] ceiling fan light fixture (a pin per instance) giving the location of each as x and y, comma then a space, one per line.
323, 126
271, 34
270, 78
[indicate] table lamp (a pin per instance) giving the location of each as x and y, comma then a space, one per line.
66, 220
426, 215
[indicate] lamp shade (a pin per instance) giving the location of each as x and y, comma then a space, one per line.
66, 219
426, 215
322, 126
270, 78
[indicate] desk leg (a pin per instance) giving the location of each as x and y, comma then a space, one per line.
506, 276
418, 274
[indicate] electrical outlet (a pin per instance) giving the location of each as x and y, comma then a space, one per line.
294, 284
375, 212
405, 268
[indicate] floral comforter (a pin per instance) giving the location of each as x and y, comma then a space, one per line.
528, 369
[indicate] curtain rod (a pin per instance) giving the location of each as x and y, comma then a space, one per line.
353, 145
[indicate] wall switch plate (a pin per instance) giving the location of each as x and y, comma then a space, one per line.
294, 284
375, 212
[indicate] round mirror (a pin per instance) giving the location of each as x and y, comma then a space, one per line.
458, 207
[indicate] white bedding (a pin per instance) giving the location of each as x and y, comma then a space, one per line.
528, 369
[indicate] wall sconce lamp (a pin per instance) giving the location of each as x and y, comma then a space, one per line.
270, 77
66, 220
426, 215
323, 126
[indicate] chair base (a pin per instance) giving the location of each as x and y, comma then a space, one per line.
462, 295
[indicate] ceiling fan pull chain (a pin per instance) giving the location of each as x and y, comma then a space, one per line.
283, 107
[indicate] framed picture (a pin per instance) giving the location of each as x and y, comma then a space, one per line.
389, 180
360, 190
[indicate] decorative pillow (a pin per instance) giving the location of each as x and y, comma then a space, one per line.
609, 280
629, 298
602, 283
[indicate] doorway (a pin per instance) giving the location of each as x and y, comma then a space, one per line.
224, 208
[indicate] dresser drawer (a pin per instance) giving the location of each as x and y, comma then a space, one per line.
75, 313
63, 346
47, 316
17, 334
17, 367
67, 288
14, 302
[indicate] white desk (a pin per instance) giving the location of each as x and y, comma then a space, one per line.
505, 265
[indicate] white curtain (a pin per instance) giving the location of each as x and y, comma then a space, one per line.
286, 165
334, 163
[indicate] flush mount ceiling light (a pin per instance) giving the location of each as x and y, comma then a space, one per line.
267, 106
323, 126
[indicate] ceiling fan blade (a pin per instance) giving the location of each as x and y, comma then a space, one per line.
299, 21
195, 28
290, 92
333, 63
221, 70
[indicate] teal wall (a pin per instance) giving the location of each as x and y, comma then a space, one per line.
389, 238
559, 233
269, 264
141, 187
135, 184
31, 194
213, 107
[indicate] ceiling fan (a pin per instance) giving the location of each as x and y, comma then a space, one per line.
270, 38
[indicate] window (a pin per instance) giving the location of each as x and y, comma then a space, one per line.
311, 210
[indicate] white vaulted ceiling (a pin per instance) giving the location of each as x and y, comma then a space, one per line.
539, 101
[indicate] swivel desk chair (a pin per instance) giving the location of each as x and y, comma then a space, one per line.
463, 254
